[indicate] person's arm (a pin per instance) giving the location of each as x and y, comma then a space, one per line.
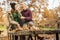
10, 19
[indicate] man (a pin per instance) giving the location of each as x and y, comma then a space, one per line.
26, 14
26, 17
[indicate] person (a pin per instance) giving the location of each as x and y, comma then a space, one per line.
15, 16
14, 19
26, 17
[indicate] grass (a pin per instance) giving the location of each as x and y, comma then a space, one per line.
2, 27
48, 28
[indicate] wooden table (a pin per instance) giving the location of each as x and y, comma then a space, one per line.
48, 32
35, 33
26, 33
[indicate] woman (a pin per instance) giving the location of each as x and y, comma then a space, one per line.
15, 17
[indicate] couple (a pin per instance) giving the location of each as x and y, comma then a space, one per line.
20, 20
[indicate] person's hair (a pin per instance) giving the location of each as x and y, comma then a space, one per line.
13, 5
24, 5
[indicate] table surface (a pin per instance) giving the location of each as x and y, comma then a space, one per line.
35, 32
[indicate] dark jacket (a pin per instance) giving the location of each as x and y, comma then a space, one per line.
27, 14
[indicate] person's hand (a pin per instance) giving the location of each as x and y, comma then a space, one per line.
22, 17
